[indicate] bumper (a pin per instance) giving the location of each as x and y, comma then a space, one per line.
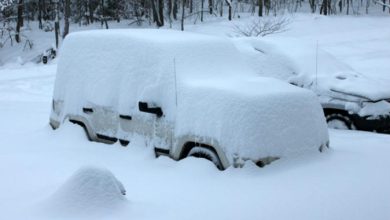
54, 124
380, 125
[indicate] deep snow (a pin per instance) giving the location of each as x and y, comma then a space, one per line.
351, 181
348, 182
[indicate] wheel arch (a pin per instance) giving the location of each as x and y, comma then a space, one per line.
84, 124
342, 115
188, 145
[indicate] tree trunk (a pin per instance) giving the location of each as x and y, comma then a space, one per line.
312, 6
201, 10
157, 12
230, 9
267, 4
117, 11
104, 19
182, 14
211, 6
340, 6
221, 9
260, 8
79, 8
102, 8
19, 22
66, 18
40, 14
90, 9
85, 12
57, 25
324, 7
175, 9
161, 11
170, 11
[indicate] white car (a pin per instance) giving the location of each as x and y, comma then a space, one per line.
350, 99
185, 94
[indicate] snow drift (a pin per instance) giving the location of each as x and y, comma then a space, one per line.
88, 190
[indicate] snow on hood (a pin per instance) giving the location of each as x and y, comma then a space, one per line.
254, 117
299, 63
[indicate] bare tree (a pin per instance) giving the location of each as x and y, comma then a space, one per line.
261, 27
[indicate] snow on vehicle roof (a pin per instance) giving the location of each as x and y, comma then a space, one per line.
114, 56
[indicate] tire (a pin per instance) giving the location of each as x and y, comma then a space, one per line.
205, 153
124, 143
340, 121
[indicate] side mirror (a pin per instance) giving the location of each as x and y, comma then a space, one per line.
143, 107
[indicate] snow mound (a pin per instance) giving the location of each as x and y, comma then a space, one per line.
88, 190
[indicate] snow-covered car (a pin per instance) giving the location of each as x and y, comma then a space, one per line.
350, 99
185, 95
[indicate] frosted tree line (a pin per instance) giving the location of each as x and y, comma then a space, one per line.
49, 13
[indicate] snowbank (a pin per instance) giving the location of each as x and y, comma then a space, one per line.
88, 190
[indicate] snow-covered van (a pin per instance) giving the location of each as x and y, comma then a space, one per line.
185, 94
351, 100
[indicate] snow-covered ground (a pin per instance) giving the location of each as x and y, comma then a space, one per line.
350, 181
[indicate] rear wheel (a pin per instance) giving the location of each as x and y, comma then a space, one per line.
205, 153
340, 121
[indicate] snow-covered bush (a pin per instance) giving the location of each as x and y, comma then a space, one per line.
260, 27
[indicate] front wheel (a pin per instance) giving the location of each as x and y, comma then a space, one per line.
340, 121
205, 153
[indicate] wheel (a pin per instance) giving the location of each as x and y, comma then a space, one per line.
208, 154
340, 121
124, 143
